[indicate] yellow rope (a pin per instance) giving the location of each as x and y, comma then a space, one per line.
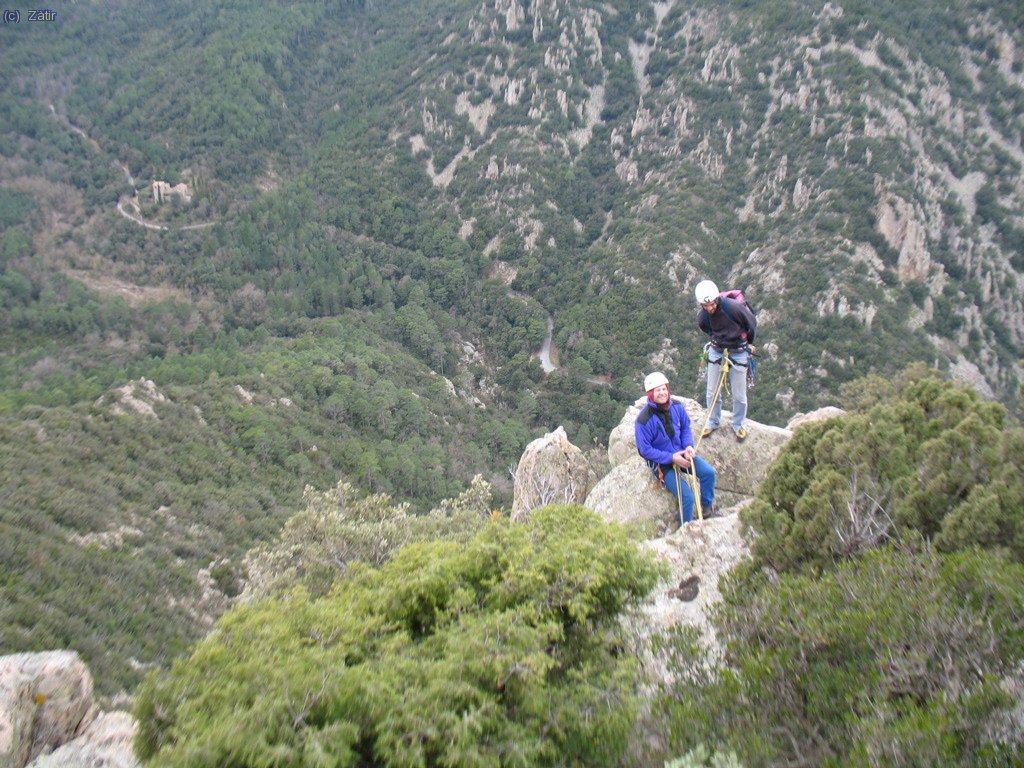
721, 381
691, 478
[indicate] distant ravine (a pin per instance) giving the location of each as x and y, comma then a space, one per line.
545, 348
544, 355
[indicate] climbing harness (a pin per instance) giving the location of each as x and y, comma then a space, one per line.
751, 366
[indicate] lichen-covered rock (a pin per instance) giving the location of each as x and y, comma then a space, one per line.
697, 555
58, 703
551, 470
630, 495
17, 711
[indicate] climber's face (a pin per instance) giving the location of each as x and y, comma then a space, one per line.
659, 395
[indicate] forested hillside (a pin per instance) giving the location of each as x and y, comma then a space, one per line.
384, 204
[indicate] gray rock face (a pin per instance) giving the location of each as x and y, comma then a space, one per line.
107, 742
48, 717
57, 701
16, 714
698, 555
551, 470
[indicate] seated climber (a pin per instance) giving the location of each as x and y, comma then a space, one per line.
665, 440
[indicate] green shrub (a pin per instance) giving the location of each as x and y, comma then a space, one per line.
505, 650
929, 457
893, 659
342, 526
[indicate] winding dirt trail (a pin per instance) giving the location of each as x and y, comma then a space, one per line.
123, 167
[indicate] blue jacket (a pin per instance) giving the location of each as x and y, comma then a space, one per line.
653, 441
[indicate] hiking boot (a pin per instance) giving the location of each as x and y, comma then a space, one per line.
741, 434
709, 511
708, 431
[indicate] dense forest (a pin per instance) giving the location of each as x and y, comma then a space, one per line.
385, 204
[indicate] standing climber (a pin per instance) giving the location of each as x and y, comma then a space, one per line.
664, 438
731, 326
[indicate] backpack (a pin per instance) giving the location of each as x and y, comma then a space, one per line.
738, 295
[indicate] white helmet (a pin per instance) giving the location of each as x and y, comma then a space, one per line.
706, 292
654, 380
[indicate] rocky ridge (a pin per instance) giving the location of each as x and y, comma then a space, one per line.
698, 553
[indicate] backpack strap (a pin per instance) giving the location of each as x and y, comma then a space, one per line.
645, 415
730, 315
665, 416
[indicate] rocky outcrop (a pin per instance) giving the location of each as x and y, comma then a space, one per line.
822, 414
697, 556
135, 397
701, 552
16, 716
551, 470
48, 717
630, 495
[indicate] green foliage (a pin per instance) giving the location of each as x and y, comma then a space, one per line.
211, 477
14, 207
931, 457
484, 653
892, 659
342, 526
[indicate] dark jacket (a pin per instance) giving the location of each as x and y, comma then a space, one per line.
725, 331
659, 434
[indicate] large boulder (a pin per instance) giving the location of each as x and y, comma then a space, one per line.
741, 467
50, 691
698, 555
630, 495
551, 470
822, 414
16, 715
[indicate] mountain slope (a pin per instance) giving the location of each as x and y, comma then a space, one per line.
388, 201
